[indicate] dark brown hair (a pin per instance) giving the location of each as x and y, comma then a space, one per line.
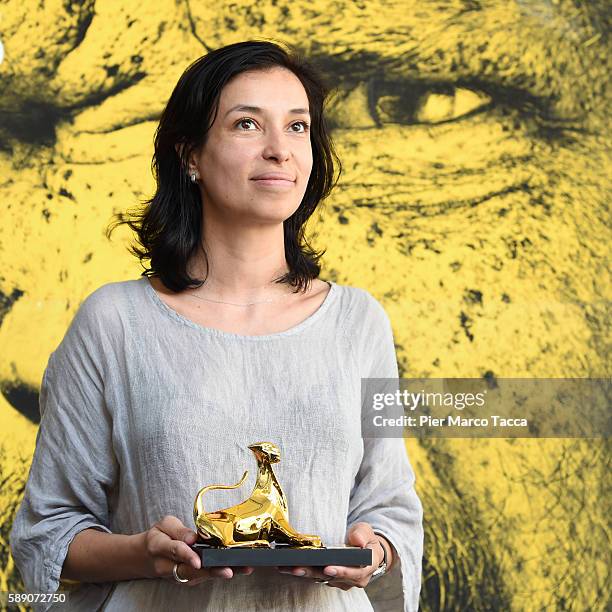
169, 227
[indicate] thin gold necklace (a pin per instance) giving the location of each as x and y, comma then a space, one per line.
236, 304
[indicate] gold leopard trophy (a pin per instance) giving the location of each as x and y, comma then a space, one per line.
258, 521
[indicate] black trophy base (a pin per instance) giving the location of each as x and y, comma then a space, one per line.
283, 555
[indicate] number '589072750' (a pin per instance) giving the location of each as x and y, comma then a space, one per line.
28, 598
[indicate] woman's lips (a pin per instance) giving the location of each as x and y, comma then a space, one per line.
274, 182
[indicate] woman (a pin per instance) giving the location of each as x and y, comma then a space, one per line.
161, 383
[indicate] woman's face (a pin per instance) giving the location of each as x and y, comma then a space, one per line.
261, 128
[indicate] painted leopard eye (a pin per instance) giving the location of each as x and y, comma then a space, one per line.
435, 107
380, 102
423, 103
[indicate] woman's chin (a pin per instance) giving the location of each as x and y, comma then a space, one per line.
267, 212
262, 217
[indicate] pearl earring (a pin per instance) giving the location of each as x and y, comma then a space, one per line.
193, 177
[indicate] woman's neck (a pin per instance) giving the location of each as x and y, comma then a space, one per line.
243, 259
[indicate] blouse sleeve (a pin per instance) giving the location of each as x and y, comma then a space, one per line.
73, 469
383, 493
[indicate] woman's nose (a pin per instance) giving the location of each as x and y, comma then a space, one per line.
276, 146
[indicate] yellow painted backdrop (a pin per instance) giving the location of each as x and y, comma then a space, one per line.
474, 137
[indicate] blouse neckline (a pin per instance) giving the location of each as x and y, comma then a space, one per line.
213, 331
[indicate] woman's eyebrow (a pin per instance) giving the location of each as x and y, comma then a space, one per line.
257, 109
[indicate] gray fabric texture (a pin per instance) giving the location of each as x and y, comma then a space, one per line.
141, 407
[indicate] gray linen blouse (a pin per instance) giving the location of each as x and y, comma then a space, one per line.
141, 407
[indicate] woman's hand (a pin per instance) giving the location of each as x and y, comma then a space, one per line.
343, 577
169, 542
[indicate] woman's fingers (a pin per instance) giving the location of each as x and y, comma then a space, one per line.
229, 572
337, 575
181, 552
357, 576
222, 572
305, 572
169, 542
181, 539
161, 544
360, 534
197, 576
194, 576
175, 529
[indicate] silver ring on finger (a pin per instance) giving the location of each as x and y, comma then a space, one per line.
176, 576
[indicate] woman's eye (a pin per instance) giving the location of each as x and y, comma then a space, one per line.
303, 124
246, 120
240, 123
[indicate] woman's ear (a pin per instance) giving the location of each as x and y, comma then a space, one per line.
194, 153
178, 147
